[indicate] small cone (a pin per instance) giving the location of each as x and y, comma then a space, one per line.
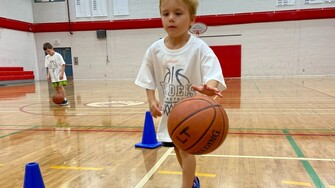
33, 177
149, 139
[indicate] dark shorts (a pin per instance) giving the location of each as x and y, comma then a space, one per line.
168, 144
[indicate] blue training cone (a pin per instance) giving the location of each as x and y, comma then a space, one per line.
149, 139
33, 177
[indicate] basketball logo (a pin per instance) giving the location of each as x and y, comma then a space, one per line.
175, 86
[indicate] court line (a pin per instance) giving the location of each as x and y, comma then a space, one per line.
80, 126
238, 128
285, 109
81, 114
281, 113
153, 169
259, 91
20, 130
230, 133
329, 95
280, 129
252, 111
75, 168
281, 134
75, 130
266, 157
308, 167
296, 183
180, 173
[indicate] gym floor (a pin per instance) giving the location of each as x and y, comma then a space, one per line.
282, 134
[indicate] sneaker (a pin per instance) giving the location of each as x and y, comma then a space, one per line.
64, 103
196, 182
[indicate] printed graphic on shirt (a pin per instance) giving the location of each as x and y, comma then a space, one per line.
175, 86
52, 63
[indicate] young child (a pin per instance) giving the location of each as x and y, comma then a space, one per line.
55, 65
177, 66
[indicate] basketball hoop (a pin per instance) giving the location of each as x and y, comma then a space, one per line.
198, 28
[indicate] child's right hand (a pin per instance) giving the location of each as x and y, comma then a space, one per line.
155, 109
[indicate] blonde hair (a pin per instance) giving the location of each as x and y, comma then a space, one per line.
191, 4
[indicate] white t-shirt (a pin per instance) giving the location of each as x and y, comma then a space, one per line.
54, 64
172, 72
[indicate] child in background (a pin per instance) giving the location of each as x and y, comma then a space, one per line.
55, 65
178, 66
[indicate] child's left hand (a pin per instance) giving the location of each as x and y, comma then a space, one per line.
61, 76
207, 90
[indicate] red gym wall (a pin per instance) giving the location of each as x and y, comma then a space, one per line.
230, 59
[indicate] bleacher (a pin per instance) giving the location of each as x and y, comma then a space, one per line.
15, 75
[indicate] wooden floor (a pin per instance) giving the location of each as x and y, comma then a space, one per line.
282, 134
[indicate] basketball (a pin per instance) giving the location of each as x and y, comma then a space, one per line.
57, 98
198, 125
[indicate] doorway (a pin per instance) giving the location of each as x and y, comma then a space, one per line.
66, 53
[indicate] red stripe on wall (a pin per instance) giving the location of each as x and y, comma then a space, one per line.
96, 25
16, 25
269, 16
210, 20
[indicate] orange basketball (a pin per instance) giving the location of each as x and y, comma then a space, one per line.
57, 98
198, 125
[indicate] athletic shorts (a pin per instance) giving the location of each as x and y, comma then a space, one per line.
60, 83
168, 144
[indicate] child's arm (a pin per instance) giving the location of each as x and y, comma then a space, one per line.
154, 105
48, 73
209, 89
62, 72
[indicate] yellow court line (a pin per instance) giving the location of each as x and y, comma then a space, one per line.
180, 173
75, 168
296, 183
